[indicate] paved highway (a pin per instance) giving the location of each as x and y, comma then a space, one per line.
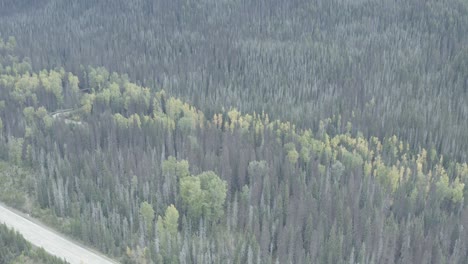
51, 241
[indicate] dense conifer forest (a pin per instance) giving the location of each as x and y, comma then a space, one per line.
240, 131
388, 67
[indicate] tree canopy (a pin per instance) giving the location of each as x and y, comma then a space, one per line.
287, 131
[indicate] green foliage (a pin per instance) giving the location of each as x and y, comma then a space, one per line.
135, 95
52, 82
337, 170
15, 150
292, 153
293, 156
446, 190
120, 120
87, 102
167, 228
73, 83
169, 225
351, 160
147, 212
176, 169
186, 124
29, 113
171, 220
97, 78
25, 87
203, 195
192, 196
214, 195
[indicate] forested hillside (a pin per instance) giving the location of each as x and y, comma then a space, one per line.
388, 67
14, 249
148, 178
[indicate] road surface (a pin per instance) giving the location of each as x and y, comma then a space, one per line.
51, 241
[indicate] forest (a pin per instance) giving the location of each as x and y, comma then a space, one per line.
148, 178
239, 131
388, 67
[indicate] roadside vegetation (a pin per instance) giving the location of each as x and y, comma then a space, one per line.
14, 249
